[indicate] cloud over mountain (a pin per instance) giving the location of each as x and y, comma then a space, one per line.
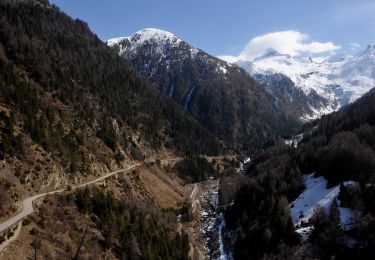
286, 42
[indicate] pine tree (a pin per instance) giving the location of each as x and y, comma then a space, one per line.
319, 220
335, 231
334, 215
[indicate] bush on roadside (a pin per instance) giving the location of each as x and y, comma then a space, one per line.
26, 222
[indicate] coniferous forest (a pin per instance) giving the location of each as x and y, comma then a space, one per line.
339, 147
136, 236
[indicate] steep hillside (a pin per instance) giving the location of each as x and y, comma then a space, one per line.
222, 97
66, 91
340, 148
283, 89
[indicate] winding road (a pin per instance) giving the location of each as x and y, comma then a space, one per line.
194, 200
27, 204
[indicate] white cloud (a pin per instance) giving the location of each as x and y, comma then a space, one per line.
286, 42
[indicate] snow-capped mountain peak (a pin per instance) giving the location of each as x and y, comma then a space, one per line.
339, 79
148, 34
157, 37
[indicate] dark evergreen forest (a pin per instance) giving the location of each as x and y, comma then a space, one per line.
340, 147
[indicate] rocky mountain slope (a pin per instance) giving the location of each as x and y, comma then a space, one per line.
221, 96
326, 83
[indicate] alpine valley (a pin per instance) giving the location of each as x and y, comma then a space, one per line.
144, 147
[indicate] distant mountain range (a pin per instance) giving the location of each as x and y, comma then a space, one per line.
280, 87
328, 83
221, 96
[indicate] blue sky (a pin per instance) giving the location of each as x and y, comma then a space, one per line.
226, 27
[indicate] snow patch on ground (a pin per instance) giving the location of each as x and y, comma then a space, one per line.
222, 69
316, 195
294, 141
194, 52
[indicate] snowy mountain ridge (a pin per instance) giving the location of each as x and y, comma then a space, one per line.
162, 46
313, 86
339, 79
148, 35
155, 52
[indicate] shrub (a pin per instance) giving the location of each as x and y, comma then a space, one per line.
10, 234
26, 222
